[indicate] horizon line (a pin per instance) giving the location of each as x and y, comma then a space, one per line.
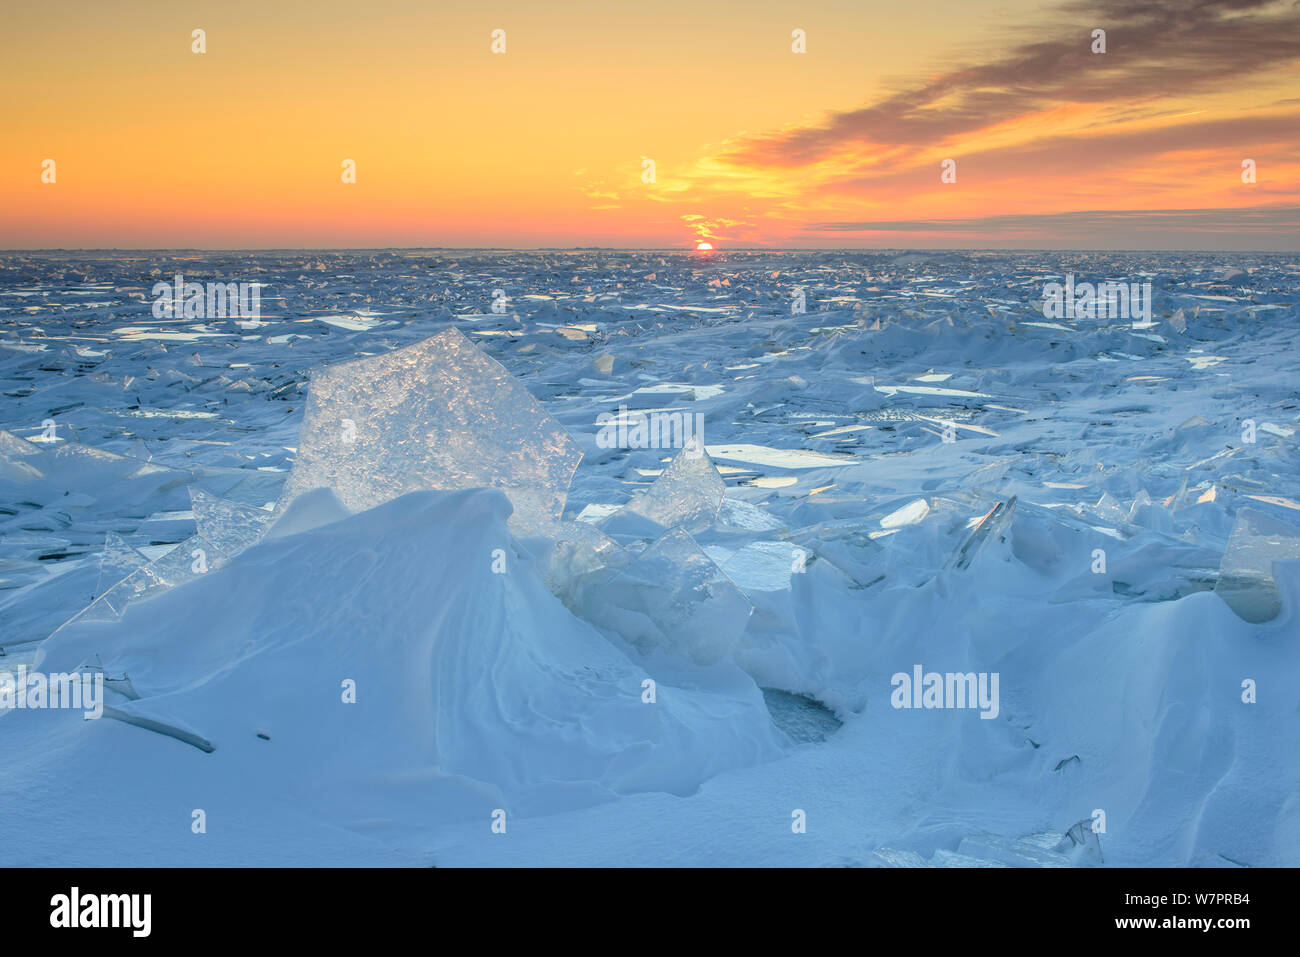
659, 249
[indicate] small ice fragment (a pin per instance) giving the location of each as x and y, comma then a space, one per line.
1140, 501
909, 514
596, 512
117, 561
777, 458
1109, 508
1246, 572
990, 526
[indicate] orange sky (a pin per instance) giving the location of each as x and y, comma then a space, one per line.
1055, 146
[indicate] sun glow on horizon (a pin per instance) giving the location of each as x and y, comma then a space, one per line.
704, 247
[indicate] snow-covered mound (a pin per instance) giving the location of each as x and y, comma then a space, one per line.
474, 690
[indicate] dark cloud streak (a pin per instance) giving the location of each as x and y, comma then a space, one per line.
1156, 49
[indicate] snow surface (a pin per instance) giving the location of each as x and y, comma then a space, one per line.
501, 648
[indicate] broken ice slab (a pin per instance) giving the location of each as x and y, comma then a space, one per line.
672, 598
15, 447
992, 525
228, 525
688, 493
1246, 572
579, 551
910, 514
762, 566
741, 516
117, 561
847, 545
191, 558
439, 414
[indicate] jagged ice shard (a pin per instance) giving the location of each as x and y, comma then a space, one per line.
687, 494
190, 559
439, 414
118, 560
228, 525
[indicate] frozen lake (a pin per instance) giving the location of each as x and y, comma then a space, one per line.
920, 466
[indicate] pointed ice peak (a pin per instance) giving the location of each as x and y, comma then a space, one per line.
688, 493
191, 558
118, 560
228, 525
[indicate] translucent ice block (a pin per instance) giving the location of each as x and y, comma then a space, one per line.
191, 558
1246, 572
687, 494
672, 598
579, 551
765, 566
228, 525
116, 563
439, 414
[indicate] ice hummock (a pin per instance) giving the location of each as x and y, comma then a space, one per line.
474, 688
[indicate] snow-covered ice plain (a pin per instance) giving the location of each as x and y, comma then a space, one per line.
453, 655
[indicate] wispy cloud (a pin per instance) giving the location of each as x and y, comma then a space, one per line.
1044, 127
1155, 50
